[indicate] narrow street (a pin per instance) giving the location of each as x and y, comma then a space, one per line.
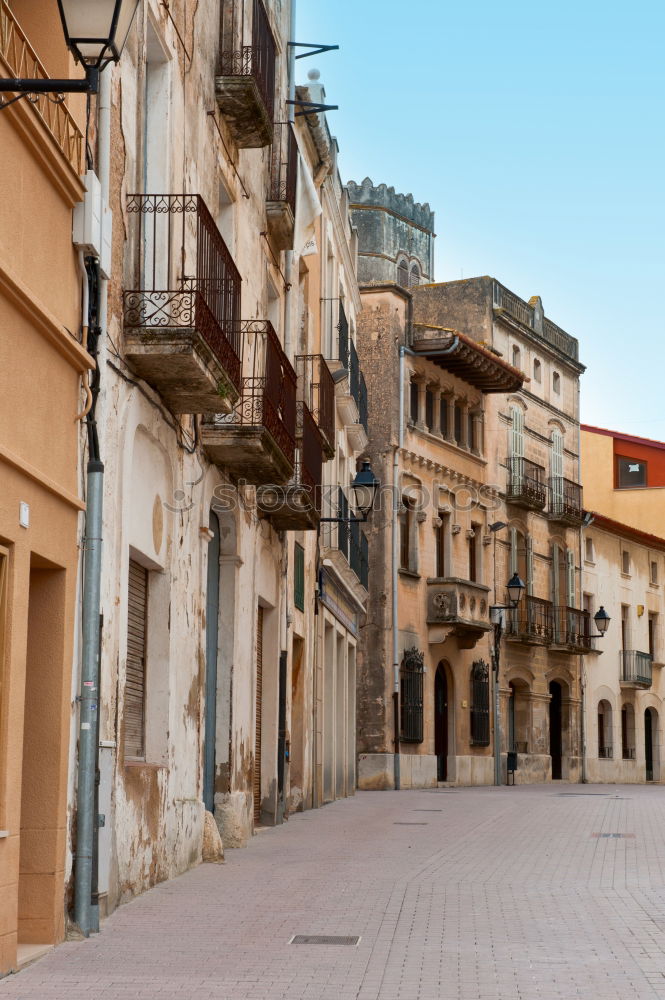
473, 894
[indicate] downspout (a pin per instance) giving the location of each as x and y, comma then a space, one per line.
395, 551
291, 117
85, 914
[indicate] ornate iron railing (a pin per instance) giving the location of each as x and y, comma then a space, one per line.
21, 60
526, 482
566, 498
268, 395
284, 165
257, 59
411, 700
316, 388
572, 627
309, 456
533, 619
636, 667
184, 275
343, 338
357, 385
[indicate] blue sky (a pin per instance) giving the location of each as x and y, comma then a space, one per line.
535, 131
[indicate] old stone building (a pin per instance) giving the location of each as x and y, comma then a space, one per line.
43, 365
534, 462
624, 568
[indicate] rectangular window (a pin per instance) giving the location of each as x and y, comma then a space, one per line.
625, 562
299, 576
653, 635
444, 416
630, 473
429, 409
471, 433
413, 402
588, 550
134, 700
474, 535
440, 542
458, 424
625, 626
405, 529
653, 574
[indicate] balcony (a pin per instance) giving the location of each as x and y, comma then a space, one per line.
344, 544
461, 604
181, 325
255, 442
636, 669
297, 506
526, 484
316, 389
532, 623
281, 201
565, 501
245, 87
572, 630
357, 430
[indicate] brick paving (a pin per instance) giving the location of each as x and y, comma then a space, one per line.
496, 893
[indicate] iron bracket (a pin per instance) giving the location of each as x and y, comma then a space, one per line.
314, 48
313, 107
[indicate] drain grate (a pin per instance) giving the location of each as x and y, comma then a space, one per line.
324, 939
412, 823
614, 836
428, 810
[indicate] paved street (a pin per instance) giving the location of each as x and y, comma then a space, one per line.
476, 894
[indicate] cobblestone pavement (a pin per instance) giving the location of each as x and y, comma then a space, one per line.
472, 894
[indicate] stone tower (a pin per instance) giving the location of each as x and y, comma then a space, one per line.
395, 236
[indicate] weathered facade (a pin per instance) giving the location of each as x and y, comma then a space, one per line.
42, 361
623, 688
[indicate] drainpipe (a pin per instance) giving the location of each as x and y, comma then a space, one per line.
290, 254
395, 551
85, 914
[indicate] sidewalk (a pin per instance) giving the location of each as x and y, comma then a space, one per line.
467, 894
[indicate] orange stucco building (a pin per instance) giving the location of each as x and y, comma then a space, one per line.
624, 477
41, 364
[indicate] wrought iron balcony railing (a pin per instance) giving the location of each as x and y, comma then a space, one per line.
284, 166
297, 505
532, 622
246, 84
345, 536
185, 285
357, 385
316, 388
359, 553
21, 60
605, 753
565, 500
525, 314
572, 629
636, 668
526, 483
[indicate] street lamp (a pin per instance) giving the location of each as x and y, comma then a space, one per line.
602, 620
364, 486
515, 588
95, 33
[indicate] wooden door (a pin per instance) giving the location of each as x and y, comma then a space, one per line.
441, 723
259, 699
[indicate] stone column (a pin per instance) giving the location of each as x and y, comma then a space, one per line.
449, 400
436, 428
421, 422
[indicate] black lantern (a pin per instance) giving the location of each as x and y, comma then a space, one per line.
515, 590
96, 30
364, 488
602, 620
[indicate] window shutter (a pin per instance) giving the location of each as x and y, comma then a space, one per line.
570, 578
517, 442
529, 565
513, 551
556, 556
134, 699
556, 469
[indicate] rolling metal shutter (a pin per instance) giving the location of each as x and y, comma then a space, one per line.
259, 695
134, 702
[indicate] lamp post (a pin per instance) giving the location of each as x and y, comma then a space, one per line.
364, 487
515, 588
95, 33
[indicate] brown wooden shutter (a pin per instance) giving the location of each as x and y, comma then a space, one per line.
134, 704
259, 696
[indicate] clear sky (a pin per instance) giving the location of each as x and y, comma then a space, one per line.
535, 130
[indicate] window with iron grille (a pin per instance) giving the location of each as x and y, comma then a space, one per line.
480, 704
411, 696
299, 576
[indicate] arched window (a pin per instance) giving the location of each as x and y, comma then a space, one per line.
517, 357
628, 732
403, 274
411, 696
480, 704
556, 382
415, 276
604, 729
537, 370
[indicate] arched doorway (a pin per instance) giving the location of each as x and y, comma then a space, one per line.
650, 730
441, 737
556, 741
